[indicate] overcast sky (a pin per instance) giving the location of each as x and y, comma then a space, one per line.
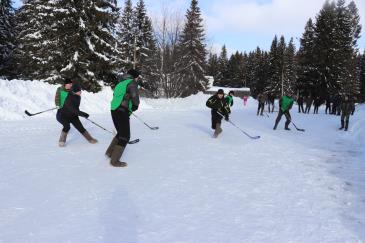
245, 24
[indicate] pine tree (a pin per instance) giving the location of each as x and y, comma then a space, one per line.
348, 32
192, 64
362, 77
126, 35
33, 57
68, 38
234, 64
222, 74
274, 85
212, 65
306, 69
7, 36
145, 55
325, 51
289, 69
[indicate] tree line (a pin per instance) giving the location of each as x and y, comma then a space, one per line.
95, 41
328, 61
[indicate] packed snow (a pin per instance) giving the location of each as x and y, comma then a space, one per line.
181, 185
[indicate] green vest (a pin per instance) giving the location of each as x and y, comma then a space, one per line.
286, 102
229, 100
63, 96
119, 93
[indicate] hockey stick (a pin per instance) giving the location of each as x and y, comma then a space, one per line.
100, 126
152, 128
33, 114
248, 135
299, 129
114, 133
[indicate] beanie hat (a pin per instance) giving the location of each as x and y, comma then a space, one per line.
76, 88
67, 81
134, 73
220, 91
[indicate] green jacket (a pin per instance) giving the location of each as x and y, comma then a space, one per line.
126, 95
229, 100
60, 97
286, 103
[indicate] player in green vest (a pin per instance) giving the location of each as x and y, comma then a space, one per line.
229, 98
60, 98
286, 103
125, 101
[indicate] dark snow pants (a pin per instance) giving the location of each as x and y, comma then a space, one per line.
288, 118
328, 109
216, 118
300, 107
316, 107
66, 121
260, 108
308, 108
345, 118
121, 122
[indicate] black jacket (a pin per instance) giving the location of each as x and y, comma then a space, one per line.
71, 108
219, 105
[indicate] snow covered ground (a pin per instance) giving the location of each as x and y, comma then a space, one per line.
181, 185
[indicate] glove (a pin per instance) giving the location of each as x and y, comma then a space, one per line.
134, 108
226, 118
84, 114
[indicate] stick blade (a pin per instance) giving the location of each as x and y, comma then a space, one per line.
154, 128
134, 141
256, 137
27, 112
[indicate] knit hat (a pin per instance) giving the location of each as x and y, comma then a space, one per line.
134, 73
76, 88
67, 81
220, 91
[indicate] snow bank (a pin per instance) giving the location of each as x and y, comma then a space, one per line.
34, 96
358, 127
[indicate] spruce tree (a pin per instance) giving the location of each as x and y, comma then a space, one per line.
348, 32
325, 51
145, 52
306, 69
36, 39
7, 37
290, 67
362, 77
68, 38
274, 85
192, 63
212, 65
222, 74
126, 35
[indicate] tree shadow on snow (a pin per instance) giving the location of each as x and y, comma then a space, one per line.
118, 218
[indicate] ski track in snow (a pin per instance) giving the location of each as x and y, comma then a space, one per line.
181, 185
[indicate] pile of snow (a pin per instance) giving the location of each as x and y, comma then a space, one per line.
357, 124
16, 96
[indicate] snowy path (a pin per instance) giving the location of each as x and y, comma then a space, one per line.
183, 186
